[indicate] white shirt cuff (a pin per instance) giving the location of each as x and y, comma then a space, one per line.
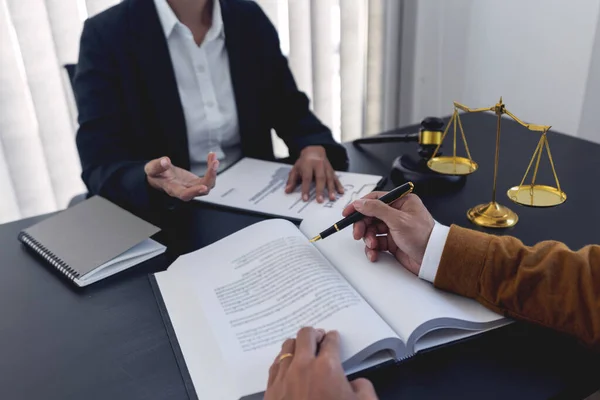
433, 252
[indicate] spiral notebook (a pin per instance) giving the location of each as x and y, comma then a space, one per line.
92, 240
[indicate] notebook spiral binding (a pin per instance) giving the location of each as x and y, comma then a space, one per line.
48, 256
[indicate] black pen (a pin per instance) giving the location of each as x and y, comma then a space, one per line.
387, 198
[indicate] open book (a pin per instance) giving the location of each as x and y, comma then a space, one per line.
233, 303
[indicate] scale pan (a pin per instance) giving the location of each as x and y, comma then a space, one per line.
537, 195
452, 165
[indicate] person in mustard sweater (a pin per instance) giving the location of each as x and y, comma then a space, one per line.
547, 284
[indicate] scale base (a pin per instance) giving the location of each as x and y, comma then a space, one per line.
492, 215
537, 195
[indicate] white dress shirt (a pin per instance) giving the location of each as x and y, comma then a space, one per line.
433, 252
205, 88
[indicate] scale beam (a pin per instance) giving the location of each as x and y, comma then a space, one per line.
472, 110
531, 127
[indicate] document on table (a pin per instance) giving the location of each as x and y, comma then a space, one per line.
259, 186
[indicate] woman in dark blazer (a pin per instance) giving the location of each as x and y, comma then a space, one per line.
169, 91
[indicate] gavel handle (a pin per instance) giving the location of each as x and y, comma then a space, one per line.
390, 138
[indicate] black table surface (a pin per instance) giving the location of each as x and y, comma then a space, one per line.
108, 341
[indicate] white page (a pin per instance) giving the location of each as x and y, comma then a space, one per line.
141, 249
136, 255
256, 288
401, 298
210, 375
258, 186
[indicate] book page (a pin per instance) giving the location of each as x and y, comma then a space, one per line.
258, 186
402, 299
258, 287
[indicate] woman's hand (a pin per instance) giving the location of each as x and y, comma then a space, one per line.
178, 182
313, 164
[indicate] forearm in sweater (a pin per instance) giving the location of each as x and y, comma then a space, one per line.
547, 284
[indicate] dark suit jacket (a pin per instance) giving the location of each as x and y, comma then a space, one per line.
129, 106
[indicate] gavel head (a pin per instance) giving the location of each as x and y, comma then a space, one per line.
430, 136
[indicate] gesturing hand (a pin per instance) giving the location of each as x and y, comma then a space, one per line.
306, 375
178, 182
406, 222
313, 162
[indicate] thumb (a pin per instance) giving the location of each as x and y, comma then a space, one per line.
377, 209
157, 166
363, 388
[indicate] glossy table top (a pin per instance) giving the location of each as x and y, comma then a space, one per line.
108, 341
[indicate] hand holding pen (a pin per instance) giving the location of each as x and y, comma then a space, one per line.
402, 228
356, 216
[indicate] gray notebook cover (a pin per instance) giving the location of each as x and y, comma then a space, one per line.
90, 234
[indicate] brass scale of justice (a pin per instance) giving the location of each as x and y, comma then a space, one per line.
493, 214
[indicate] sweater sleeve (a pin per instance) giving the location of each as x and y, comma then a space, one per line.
547, 284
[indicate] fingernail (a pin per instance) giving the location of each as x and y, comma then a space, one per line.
369, 243
202, 189
305, 197
371, 256
164, 162
216, 165
320, 334
358, 204
320, 199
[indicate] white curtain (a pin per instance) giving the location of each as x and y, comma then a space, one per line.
39, 165
335, 50
327, 42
